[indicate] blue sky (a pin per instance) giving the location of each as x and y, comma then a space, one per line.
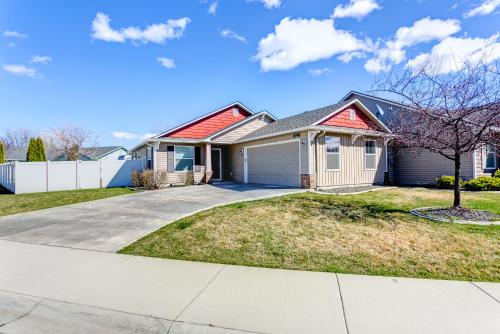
127, 68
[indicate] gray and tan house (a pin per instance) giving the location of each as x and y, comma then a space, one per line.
345, 144
342, 144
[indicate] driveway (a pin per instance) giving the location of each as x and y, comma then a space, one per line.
113, 223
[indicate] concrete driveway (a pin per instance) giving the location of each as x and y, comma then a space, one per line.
113, 223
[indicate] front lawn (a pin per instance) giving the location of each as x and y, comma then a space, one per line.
370, 233
10, 204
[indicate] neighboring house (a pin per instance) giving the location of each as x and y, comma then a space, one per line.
342, 144
95, 153
422, 167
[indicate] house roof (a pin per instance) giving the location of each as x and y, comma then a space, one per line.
239, 104
87, 153
307, 119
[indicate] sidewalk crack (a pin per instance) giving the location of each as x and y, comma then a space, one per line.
196, 297
486, 292
25, 314
342, 303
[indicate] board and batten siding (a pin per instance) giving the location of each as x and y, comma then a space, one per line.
352, 163
241, 131
423, 167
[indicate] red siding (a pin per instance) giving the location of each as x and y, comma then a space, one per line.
211, 124
361, 121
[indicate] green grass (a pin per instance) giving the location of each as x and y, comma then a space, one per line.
371, 233
11, 204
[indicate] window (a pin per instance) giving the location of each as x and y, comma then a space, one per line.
491, 157
332, 153
184, 158
370, 154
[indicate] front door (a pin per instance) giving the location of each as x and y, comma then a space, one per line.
217, 164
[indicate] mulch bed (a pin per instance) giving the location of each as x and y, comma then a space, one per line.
350, 190
458, 215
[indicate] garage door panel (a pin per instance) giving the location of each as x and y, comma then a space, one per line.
274, 164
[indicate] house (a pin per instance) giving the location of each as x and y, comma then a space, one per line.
342, 144
422, 167
94, 153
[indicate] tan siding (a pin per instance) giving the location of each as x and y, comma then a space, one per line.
161, 158
241, 131
304, 157
423, 167
236, 163
352, 163
174, 178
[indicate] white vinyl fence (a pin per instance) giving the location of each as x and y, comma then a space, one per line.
33, 177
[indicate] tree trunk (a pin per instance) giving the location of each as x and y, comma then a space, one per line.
456, 197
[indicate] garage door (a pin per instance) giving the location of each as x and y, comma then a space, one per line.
274, 164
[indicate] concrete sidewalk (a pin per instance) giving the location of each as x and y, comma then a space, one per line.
46, 289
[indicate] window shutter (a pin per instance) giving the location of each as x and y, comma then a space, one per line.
170, 159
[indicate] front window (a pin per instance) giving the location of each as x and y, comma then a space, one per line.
332, 153
370, 154
184, 158
491, 156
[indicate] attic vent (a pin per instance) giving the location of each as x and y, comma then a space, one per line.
236, 112
352, 114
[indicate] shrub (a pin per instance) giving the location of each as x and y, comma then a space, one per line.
149, 179
483, 183
187, 178
447, 182
497, 173
2, 153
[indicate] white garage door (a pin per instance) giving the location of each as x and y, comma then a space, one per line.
276, 164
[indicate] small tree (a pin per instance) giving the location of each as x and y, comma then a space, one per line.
449, 112
41, 149
2, 153
31, 153
70, 138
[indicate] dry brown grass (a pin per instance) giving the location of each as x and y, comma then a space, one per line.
365, 234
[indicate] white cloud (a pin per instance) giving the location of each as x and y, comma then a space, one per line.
316, 72
228, 33
41, 59
423, 30
451, 54
212, 9
356, 9
487, 7
14, 33
166, 62
131, 136
155, 33
348, 56
20, 70
297, 41
269, 4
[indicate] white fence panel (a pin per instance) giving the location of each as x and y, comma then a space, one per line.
31, 177
7, 172
61, 175
87, 171
117, 173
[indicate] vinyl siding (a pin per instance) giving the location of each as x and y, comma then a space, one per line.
352, 163
423, 167
304, 151
241, 131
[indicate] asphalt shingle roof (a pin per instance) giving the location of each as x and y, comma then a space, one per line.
304, 119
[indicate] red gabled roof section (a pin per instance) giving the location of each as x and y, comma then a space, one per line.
343, 119
210, 124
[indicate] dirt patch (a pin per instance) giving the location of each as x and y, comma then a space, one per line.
459, 215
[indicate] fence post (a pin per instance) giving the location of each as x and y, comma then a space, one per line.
100, 173
14, 177
77, 181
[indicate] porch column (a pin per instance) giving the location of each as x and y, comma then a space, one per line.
208, 163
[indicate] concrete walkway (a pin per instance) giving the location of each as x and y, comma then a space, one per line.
113, 223
46, 289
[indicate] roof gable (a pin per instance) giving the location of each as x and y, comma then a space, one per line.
351, 117
209, 124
